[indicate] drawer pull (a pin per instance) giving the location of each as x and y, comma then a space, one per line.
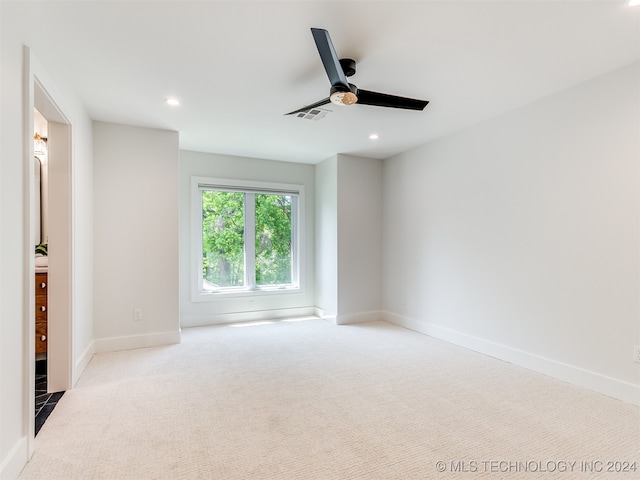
43, 338
43, 285
43, 308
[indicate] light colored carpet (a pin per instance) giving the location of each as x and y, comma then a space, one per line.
310, 400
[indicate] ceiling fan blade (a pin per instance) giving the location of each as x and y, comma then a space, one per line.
329, 58
365, 97
309, 107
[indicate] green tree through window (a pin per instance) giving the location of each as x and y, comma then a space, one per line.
223, 238
273, 239
251, 252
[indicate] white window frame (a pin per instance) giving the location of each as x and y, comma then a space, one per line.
198, 294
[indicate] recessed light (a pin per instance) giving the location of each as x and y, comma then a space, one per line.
374, 136
174, 102
634, 3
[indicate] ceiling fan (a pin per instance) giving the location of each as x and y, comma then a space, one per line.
344, 93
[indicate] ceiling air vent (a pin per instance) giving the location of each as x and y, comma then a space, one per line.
313, 114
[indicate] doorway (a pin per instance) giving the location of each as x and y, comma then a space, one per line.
59, 367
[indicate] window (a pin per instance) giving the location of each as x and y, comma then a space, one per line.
247, 237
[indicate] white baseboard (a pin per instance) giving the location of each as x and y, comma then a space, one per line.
350, 318
136, 341
320, 313
239, 317
612, 387
83, 361
360, 317
15, 461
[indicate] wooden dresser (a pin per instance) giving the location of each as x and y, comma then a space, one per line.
41, 312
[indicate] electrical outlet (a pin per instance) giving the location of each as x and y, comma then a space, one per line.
636, 353
137, 314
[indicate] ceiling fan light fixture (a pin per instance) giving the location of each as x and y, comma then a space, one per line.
344, 93
343, 98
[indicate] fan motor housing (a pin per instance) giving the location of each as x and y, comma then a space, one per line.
348, 66
340, 96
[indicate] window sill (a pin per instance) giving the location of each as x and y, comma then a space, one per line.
244, 293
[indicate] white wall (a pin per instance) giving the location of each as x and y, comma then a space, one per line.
326, 178
13, 245
16, 254
225, 310
349, 239
136, 236
359, 204
519, 237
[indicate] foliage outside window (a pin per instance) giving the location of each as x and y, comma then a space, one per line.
222, 239
248, 239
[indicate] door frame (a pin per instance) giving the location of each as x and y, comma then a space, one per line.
40, 93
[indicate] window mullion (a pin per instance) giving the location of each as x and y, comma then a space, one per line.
198, 219
294, 241
250, 240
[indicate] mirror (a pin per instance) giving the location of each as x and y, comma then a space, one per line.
41, 129
37, 168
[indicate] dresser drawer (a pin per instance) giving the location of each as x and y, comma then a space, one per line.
41, 337
41, 308
41, 283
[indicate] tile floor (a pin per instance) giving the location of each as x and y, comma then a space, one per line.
45, 402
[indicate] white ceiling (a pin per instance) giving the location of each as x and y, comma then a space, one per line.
238, 66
